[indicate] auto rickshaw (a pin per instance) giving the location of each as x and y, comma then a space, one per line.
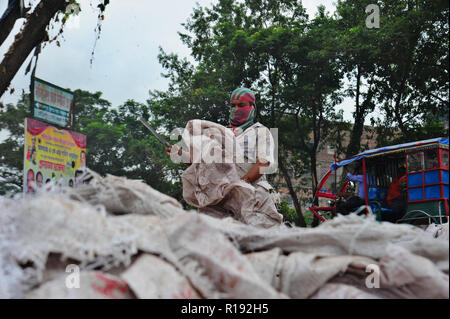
427, 182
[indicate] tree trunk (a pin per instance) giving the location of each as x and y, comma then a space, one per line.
314, 184
298, 208
8, 19
32, 34
316, 122
412, 41
397, 112
358, 125
314, 179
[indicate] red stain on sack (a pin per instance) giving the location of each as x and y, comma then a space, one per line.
110, 286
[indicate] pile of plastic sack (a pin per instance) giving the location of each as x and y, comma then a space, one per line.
120, 238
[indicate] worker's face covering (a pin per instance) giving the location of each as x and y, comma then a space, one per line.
241, 115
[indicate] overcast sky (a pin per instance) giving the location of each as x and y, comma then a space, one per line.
125, 60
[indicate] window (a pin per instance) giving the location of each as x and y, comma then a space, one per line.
445, 159
431, 159
415, 162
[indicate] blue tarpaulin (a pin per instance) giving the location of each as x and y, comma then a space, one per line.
443, 142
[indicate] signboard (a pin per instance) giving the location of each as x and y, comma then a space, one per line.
51, 154
52, 104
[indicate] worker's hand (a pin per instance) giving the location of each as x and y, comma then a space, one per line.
168, 151
177, 149
254, 173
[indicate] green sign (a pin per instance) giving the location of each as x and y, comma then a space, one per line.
52, 104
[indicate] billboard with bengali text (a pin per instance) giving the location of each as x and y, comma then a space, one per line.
51, 154
52, 104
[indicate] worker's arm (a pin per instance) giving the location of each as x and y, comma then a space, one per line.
254, 172
355, 178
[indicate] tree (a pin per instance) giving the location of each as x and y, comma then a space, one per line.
311, 93
412, 71
118, 144
33, 32
358, 50
141, 155
400, 68
12, 148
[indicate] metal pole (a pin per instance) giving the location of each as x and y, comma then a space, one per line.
365, 185
335, 172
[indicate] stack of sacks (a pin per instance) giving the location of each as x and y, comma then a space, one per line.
163, 251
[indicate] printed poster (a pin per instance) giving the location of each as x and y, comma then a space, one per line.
52, 154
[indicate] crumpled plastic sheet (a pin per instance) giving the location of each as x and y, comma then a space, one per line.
438, 231
121, 195
200, 256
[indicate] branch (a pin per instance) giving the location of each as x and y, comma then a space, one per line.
9, 17
437, 97
32, 34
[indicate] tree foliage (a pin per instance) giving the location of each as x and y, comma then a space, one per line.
12, 148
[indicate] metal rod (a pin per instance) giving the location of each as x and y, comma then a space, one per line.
365, 185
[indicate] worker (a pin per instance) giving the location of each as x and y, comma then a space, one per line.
242, 117
353, 201
253, 204
397, 197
